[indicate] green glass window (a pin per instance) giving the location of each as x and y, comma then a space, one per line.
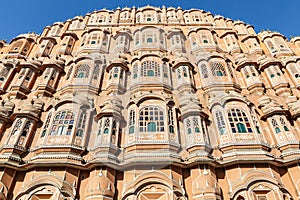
219, 73
239, 122
151, 127
241, 128
131, 130
217, 69
277, 130
81, 75
151, 119
222, 131
79, 133
150, 68
149, 40
150, 73
171, 129
106, 130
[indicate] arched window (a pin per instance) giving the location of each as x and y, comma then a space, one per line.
17, 127
220, 122
151, 119
96, 72
148, 18
246, 72
46, 125
282, 121
255, 121
178, 74
52, 78
275, 126
105, 40
193, 40
135, 71
100, 126
94, 39
81, 124
63, 123
69, 73
239, 122
271, 46
138, 18
116, 72
217, 69
28, 77
4, 72
187, 19
204, 71
171, 120
185, 72
106, 126
203, 126
137, 38
131, 121
196, 125
114, 128
253, 70
205, 36
165, 71
150, 68
188, 126
82, 71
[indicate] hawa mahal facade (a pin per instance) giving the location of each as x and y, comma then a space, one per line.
150, 104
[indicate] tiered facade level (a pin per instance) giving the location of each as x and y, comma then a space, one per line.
150, 103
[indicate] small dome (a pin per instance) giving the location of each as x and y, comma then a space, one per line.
207, 184
261, 58
29, 108
181, 58
264, 100
9, 104
119, 60
33, 106
100, 186
111, 104
3, 110
38, 103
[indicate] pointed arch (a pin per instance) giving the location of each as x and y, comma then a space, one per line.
48, 180
154, 178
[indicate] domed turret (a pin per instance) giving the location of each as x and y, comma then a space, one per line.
100, 187
111, 105
206, 185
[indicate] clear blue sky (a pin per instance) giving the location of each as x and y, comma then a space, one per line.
23, 16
